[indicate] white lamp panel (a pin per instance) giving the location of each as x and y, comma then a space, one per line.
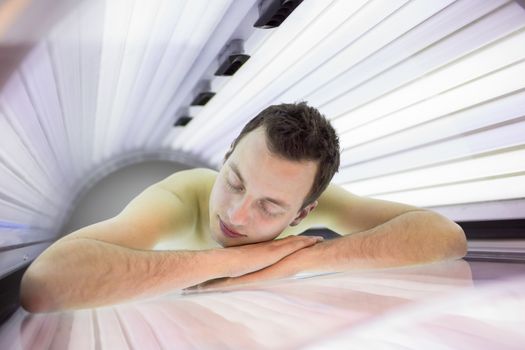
454, 86
426, 96
170, 137
467, 146
17, 107
140, 32
396, 62
12, 187
16, 155
215, 44
167, 17
37, 74
465, 121
191, 37
116, 25
258, 89
15, 214
64, 45
91, 33
471, 192
305, 54
508, 209
498, 84
466, 170
242, 88
316, 73
15, 234
215, 152
366, 95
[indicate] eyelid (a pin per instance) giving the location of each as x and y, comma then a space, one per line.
237, 188
262, 203
267, 212
266, 209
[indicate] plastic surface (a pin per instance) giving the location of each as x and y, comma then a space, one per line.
450, 305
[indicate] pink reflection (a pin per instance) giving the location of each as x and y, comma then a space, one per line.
414, 308
488, 317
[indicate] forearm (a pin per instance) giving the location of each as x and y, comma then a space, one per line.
82, 273
416, 237
413, 238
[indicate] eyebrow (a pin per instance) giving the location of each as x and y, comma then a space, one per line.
278, 202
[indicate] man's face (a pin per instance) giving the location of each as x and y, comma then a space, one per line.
257, 194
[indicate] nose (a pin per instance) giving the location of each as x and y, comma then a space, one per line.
238, 213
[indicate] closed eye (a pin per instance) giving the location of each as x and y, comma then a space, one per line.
233, 188
267, 212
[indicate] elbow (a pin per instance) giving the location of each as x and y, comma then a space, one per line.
451, 243
461, 246
456, 246
35, 296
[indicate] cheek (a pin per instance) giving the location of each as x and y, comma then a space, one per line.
271, 228
214, 196
218, 199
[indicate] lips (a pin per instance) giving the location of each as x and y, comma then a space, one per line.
228, 232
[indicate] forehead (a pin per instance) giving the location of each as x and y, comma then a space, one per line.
269, 173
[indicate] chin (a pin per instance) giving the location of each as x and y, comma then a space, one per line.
216, 237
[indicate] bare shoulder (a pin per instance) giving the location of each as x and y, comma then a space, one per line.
170, 206
187, 184
192, 187
328, 203
346, 213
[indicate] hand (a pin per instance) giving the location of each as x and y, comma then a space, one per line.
288, 266
253, 257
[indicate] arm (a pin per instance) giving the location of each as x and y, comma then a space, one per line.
86, 273
83, 272
110, 261
77, 269
376, 234
412, 238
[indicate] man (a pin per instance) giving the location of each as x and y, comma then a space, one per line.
274, 183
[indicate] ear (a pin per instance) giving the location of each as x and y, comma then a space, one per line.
303, 213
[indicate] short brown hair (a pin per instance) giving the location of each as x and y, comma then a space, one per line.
298, 132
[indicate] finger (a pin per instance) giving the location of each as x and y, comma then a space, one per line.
207, 285
288, 246
299, 242
216, 284
304, 239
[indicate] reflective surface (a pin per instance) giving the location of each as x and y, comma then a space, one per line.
451, 305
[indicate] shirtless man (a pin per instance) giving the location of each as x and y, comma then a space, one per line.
221, 227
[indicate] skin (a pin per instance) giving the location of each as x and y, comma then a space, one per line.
260, 205
170, 237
